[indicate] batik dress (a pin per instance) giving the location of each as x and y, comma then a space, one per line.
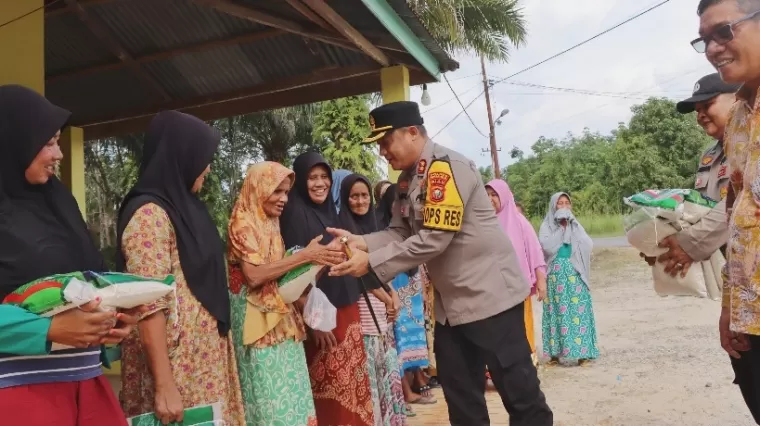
569, 328
409, 329
202, 361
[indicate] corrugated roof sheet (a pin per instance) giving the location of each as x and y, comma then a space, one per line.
146, 27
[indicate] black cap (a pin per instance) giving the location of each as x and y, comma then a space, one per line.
706, 88
394, 115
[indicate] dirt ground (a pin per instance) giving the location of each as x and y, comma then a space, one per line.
661, 363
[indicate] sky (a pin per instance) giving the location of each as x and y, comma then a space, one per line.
649, 56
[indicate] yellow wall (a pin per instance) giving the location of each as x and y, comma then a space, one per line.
22, 44
395, 87
72, 166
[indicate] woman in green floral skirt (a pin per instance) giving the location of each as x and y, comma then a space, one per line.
569, 328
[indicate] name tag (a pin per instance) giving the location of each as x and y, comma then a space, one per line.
445, 218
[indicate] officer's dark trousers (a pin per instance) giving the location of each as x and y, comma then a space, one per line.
462, 353
747, 372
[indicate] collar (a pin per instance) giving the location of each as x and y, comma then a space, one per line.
745, 94
426, 154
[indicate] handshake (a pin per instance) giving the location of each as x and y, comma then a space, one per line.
355, 248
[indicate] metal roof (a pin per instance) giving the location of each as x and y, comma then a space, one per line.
115, 63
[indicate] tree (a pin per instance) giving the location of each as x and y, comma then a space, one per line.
487, 27
339, 128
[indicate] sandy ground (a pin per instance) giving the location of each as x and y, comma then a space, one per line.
661, 363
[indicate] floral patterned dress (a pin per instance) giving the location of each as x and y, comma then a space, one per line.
203, 362
569, 328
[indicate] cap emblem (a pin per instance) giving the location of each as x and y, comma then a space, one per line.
696, 88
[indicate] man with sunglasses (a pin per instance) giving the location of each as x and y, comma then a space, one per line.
730, 38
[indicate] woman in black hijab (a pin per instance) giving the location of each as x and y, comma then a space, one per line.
358, 216
164, 228
43, 233
331, 356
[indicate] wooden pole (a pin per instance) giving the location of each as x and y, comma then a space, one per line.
492, 133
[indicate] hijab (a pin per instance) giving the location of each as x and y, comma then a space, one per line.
519, 231
254, 237
337, 178
553, 236
359, 225
178, 147
303, 220
384, 211
41, 227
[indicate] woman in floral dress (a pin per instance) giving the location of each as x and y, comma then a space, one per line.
182, 354
569, 328
268, 333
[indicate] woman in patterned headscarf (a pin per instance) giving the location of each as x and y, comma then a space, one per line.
267, 332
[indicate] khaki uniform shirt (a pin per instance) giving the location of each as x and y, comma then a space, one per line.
711, 233
475, 270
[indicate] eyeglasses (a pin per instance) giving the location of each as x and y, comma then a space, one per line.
721, 35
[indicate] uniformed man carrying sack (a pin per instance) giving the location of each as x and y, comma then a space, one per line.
712, 99
442, 217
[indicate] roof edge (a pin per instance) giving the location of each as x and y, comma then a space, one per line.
396, 26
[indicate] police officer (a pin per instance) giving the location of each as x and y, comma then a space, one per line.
711, 99
442, 217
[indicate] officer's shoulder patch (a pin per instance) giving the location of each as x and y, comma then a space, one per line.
444, 208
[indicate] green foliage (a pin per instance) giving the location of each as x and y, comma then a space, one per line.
487, 27
658, 148
339, 128
595, 225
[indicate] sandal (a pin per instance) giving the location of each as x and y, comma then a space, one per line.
424, 391
552, 362
424, 400
407, 411
584, 362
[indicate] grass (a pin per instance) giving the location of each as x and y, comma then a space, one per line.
595, 225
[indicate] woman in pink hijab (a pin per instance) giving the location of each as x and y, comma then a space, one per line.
526, 245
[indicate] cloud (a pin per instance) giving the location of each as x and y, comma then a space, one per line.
649, 56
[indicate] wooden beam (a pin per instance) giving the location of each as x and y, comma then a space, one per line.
309, 14
198, 47
349, 32
100, 31
253, 15
349, 86
267, 88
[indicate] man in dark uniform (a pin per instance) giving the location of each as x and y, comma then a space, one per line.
442, 217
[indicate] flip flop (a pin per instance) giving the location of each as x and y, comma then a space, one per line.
424, 400
408, 412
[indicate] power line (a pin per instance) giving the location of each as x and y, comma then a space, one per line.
577, 45
18, 18
460, 104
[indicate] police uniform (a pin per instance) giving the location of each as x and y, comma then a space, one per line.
711, 232
442, 217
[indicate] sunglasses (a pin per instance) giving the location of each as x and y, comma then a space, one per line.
721, 35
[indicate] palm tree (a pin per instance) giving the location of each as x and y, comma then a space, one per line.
489, 28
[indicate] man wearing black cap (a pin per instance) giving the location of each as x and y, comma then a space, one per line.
442, 217
712, 100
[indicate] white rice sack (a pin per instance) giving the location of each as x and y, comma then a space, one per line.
647, 234
693, 284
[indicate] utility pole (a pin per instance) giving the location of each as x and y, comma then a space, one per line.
492, 134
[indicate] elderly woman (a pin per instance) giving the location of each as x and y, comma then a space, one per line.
358, 216
569, 328
182, 356
337, 359
43, 233
267, 332
527, 247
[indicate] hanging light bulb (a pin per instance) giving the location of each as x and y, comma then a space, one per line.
425, 100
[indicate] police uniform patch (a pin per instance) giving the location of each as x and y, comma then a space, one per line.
421, 166
706, 160
444, 208
722, 171
723, 192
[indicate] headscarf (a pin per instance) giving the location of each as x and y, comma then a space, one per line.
254, 237
385, 207
519, 231
42, 231
378, 188
303, 219
553, 236
337, 178
359, 225
178, 147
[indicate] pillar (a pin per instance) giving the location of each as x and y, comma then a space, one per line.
394, 83
22, 44
72, 166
